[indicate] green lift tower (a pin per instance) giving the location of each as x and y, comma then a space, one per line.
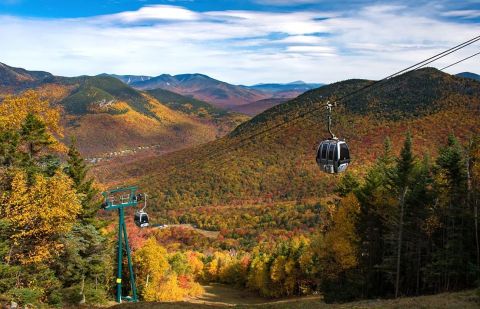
119, 199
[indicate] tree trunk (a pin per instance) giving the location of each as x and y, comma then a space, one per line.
471, 196
400, 235
419, 252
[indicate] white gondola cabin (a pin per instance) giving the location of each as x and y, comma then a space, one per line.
141, 218
333, 156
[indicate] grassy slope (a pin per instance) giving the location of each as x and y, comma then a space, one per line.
281, 164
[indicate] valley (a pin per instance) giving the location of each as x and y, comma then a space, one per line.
239, 212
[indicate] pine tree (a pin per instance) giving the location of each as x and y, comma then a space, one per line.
34, 135
8, 148
34, 138
452, 251
376, 202
474, 189
402, 179
77, 170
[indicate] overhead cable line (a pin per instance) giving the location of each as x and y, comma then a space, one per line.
416, 66
462, 60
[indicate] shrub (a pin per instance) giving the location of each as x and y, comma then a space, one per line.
25, 296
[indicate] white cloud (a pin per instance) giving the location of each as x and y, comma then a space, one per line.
463, 13
285, 2
244, 47
155, 12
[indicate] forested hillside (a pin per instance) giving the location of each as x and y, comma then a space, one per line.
106, 116
280, 165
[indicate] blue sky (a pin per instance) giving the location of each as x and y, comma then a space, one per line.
242, 41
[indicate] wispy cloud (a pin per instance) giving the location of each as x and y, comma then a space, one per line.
463, 13
285, 2
237, 46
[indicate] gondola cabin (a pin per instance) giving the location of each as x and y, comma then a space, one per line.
333, 156
141, 218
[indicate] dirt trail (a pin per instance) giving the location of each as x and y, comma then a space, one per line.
224, 295
209, 234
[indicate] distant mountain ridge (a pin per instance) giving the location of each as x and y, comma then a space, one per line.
469, 75
258, 107
202, 87
130, 79
293, 86
219, 93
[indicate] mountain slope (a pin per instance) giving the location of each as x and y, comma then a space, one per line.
226, 121
258, 107
280, 165
106, 115
203, 88
16, 78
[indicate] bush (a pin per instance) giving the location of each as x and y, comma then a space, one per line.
55, 298
72, 295
25, 296
95, 296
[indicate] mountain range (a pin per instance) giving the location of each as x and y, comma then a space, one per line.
108, 116
219, 93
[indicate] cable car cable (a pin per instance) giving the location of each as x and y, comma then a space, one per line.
416, 66
292, 121
413, 67
462, 60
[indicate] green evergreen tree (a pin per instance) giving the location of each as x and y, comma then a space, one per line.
371, 225
9, 141
451, 267
34, 135
34, 138
77, 170
348, 183
402, 179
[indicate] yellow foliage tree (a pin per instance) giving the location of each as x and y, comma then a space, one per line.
166, 289
277, 269
156, 280
337, 248
151, 267
14, 110
195, 262
39, 214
